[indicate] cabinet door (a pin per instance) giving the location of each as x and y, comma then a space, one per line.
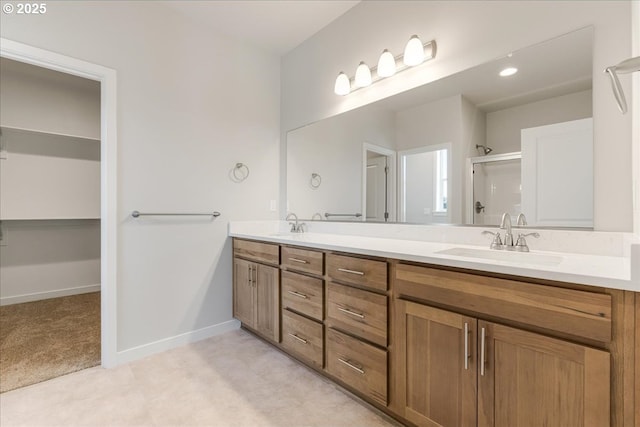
436, 365
267, 301
533, 380
243, 291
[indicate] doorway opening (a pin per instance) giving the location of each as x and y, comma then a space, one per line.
378, 183
425, 177
105, 78
50, 213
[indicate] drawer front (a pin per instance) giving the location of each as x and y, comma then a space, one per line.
257, 251
359, 312
303, 260
302, 337
579, 313
302, 294
357, 271
360, 365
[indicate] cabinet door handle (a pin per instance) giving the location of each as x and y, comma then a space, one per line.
351, 365
298, 294
302, 340
250, 276
482, 350
466, 346
301, 261
344, 270
352, 313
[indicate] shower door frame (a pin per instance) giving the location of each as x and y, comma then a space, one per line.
471, 162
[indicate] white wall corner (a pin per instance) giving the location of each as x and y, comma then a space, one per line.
165, 344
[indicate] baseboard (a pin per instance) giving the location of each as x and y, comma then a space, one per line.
48, 294
145, 350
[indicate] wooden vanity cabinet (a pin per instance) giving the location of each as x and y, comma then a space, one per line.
303, 304
356, 325
256, 287
453, 369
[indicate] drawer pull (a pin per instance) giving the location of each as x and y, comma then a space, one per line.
344, 270
466, 346
352, 313
482, 351
302, 340
298, 294
351, 365
301, 261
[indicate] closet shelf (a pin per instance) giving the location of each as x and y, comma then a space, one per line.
9, 131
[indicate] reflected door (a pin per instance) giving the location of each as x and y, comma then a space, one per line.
557, 174
377, 188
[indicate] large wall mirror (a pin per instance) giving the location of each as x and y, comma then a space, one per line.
460, 150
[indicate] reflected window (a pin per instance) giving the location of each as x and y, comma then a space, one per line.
441, 181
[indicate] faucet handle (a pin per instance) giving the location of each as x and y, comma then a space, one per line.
496, 243
521, 243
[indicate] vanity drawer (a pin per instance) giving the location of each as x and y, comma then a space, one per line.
358, 312
303, 260
569, 311
357, 364
302, 294
302, 337
256, 251
357, 271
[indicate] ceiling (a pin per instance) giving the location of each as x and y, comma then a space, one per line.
275, 25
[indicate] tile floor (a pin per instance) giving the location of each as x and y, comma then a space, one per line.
229, 380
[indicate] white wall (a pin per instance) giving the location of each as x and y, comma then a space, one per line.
191, 103
438, 122
30, 94
48, 259
504, 126
333, 149
45, 177
468, 33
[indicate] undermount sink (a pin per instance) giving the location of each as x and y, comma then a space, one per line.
497, 255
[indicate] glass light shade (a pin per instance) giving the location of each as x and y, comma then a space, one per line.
343, 85
509, 71
386, 64
363, 75
413, 52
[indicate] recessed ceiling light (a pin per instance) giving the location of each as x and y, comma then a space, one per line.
509, 71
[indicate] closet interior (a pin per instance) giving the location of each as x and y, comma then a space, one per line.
49, 220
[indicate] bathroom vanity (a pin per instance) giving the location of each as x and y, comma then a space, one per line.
438, 339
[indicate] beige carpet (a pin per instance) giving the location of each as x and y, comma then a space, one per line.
45, 339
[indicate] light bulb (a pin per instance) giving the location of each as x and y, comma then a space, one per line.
413, 52
509, 71
363, 75
343, 85
386, 64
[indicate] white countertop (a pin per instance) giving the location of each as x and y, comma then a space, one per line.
589, 269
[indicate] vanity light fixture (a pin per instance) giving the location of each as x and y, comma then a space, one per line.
509, 71
386, 64
363, 75
415, 53
343, 85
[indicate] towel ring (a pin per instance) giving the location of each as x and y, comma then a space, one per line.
316, 180
316, 216
240, 172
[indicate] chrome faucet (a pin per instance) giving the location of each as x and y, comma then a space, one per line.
505, 224
522, 220
507, 243
295, 226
